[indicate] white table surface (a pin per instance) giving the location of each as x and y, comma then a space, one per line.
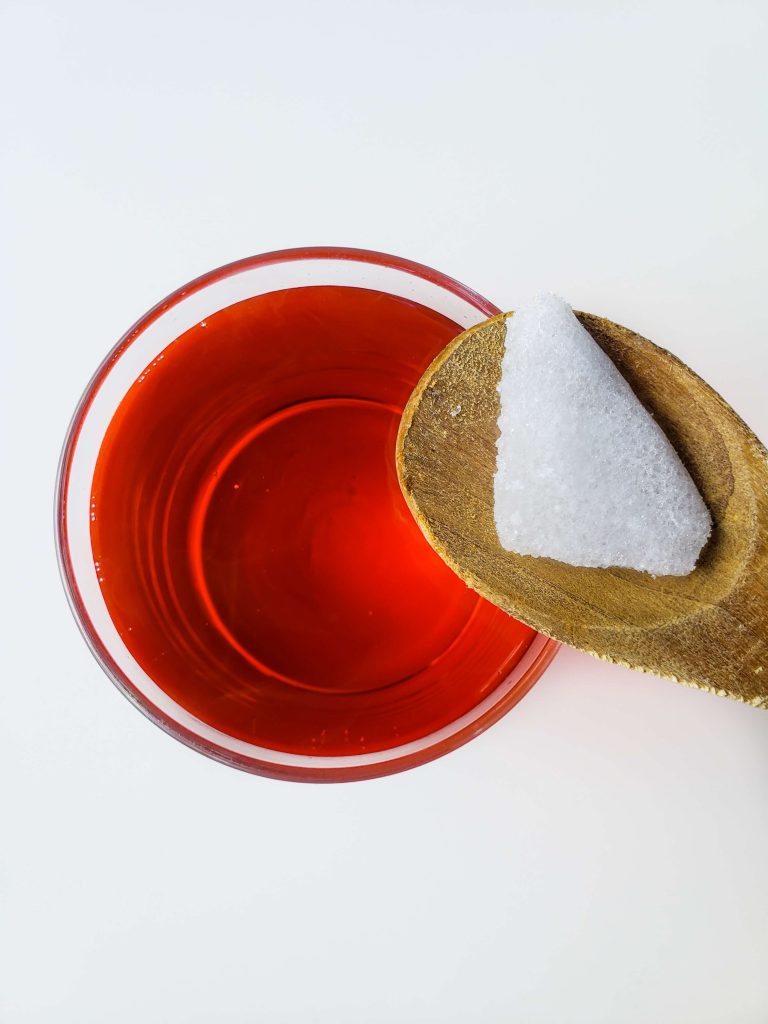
599, 855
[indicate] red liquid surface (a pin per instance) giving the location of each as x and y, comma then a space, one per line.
253, 546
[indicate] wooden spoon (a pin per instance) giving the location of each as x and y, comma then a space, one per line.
708, 629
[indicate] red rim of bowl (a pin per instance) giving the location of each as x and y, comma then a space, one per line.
548, 647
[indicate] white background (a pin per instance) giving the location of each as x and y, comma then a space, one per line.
599, 855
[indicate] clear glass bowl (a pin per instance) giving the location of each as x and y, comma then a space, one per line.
191, 304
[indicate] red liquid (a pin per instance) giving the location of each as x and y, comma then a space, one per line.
254, 549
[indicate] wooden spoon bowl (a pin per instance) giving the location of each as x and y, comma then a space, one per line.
708, 629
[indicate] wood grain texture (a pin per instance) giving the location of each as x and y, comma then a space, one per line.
708, 629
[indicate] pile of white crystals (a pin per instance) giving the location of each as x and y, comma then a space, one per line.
584, 474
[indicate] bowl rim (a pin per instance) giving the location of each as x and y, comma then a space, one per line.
539, 654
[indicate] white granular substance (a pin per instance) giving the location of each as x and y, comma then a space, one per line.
584, 474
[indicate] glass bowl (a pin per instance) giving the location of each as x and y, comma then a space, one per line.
186, 310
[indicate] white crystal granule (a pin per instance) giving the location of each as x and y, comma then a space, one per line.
584, 474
